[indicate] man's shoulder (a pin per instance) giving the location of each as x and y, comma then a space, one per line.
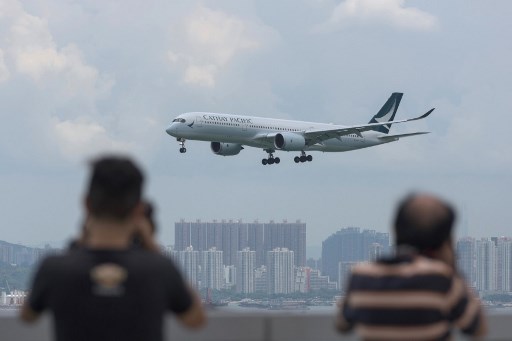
415, 266
85, 255
58, 259
59, 263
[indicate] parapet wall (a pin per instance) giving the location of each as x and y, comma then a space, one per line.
243, 327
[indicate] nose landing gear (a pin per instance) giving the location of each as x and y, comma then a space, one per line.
182, 145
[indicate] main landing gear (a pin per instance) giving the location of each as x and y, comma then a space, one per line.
271, 159
182, 145
303, 158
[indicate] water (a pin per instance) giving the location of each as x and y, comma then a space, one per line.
6, 311
234, 308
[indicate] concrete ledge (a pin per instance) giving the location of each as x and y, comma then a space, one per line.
243, 327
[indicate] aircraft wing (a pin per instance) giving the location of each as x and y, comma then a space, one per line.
317, 136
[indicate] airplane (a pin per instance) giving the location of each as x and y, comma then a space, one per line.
228, 134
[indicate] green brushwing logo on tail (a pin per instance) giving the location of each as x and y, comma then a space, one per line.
387, 112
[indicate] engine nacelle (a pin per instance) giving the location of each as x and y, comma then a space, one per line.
289, 141
225, 149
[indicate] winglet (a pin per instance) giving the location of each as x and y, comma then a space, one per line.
420, 117
426, 114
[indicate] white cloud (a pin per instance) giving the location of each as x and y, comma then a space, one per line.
58, 79
385, 12
212, 40
81, 138
31, 48
218, 33
200, 75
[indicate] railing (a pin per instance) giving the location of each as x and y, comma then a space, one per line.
244, 327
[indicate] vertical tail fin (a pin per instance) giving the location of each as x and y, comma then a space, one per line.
387, 112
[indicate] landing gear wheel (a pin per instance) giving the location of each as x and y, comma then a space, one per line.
303, 157
271, 159
182, 145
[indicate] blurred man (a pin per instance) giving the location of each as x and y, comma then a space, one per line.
106, 289
416, 294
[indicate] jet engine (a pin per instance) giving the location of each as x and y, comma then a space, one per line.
289, 141
226, 149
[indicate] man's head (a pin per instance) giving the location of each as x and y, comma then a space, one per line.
115, 188
423, 222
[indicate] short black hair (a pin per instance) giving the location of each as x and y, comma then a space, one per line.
423, 226
115, 187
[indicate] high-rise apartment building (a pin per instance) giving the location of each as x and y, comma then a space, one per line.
287, 235
375, 251
280, 271
504, 264
466, 259
344, 269
352, 245
182, 236
302, 279
255, 242
198, 236
229, 276
233, 236
260, 279
486, 265
245, 271
230, 241
189, 263
212, 269
214, 235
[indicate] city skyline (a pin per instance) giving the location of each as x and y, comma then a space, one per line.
312, 250
485, 262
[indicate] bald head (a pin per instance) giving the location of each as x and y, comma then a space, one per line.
424, 222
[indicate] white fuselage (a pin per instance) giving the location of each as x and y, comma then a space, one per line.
253, 131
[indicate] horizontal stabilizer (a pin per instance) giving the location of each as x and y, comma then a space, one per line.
396, 137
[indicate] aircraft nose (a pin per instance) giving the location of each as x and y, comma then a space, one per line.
170, 129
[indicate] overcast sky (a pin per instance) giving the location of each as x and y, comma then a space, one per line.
79, 78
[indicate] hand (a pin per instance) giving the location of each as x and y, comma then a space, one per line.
144, 233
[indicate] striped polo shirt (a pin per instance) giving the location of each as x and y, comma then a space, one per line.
408, 297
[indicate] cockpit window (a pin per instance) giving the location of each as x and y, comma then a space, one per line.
181, 120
